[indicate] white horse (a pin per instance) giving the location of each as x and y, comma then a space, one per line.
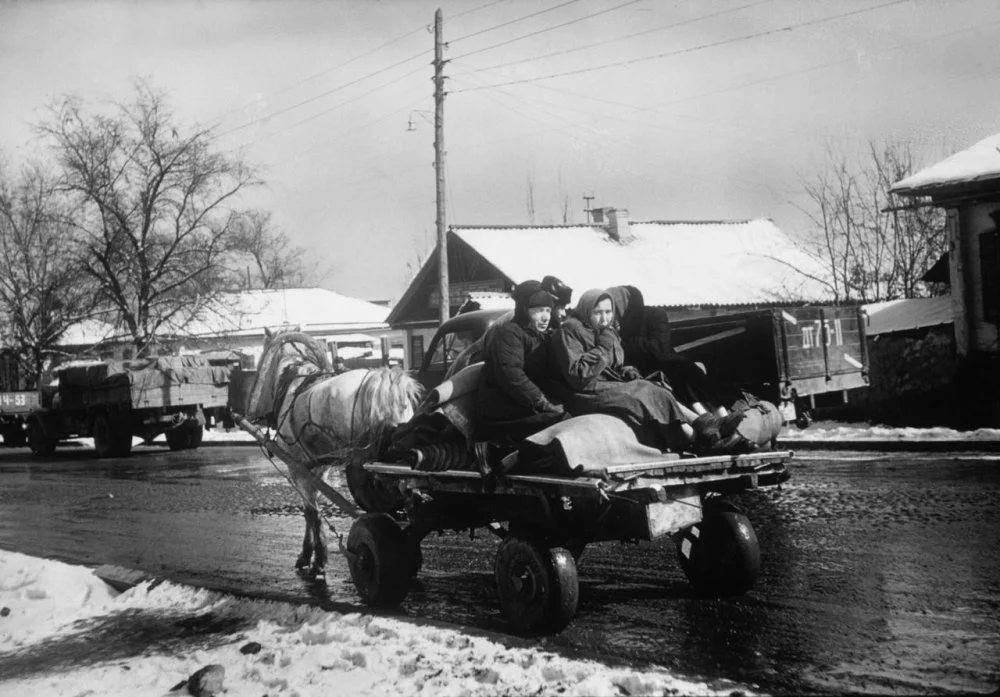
325, 419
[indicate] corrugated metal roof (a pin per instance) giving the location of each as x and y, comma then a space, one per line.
981, 162
903, 315
672, 263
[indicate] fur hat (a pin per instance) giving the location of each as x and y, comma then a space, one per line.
562, 293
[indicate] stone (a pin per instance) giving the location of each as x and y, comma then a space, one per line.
207, 682
250, 648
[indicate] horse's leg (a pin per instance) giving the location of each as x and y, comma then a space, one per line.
311, 515
319, 542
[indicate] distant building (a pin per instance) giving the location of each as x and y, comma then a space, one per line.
351, 328
699, 267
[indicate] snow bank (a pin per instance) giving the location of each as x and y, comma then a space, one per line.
66, 633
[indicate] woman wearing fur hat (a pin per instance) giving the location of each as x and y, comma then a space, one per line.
516, 361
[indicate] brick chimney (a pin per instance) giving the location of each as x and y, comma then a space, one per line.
618, 225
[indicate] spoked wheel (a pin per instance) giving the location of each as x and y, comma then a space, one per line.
537, 586
112, 437
380, 566
720, 555
371, 493
40, 442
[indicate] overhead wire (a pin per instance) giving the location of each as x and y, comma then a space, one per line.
514, 21
548, 29
327, 93
691, 49
621, 38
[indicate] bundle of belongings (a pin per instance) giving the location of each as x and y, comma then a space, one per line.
442, 436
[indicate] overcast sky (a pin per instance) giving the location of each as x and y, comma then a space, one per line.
698, 109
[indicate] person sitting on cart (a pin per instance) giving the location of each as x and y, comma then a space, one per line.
592, 378
562, 297
645, 335
511, 404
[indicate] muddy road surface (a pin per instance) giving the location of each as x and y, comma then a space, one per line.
881, 572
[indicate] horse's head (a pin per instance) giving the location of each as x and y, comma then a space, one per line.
285, 356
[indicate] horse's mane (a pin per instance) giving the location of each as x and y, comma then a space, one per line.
384, 397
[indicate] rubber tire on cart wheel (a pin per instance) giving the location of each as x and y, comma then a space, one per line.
39, 441
378, 561
371, 493
720, 555
112, 437
537, 586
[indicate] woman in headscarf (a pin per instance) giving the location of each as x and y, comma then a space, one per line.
511, 404
593, 378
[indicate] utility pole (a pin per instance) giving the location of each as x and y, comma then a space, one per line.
586, 208
442, 228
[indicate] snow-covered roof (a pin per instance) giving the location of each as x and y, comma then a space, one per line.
981, 162
250, 312
672, 263
312, 309
903, 315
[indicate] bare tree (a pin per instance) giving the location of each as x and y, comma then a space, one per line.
874, 247
276, 262
43, 289
155, 207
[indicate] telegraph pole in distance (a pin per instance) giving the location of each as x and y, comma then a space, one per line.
442, 228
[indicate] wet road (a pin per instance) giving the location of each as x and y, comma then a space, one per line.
881, 572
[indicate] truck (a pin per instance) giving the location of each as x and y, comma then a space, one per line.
797, 357
16, 401
113, 401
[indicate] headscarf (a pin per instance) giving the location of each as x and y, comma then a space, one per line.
529, 294
587, 302
629, 306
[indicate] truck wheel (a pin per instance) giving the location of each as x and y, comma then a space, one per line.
40, 442
184, 437
197, 432
720, 555
380, 566
13, 436
537, 586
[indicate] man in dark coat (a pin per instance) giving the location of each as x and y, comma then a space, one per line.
511, 403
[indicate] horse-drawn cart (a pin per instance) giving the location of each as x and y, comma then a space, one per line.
582, 481
545, 521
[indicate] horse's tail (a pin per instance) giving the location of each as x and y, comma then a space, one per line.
386, 398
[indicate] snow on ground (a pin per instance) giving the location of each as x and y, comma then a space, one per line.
834, 431
63, 631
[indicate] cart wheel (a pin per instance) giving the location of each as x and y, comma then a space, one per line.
537, 586
720, 555
40, 442
379, 566
414, 555
372, 494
